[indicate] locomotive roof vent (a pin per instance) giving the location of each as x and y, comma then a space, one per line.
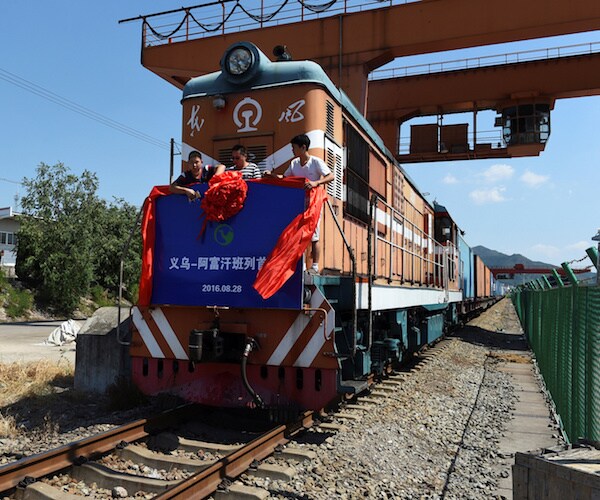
241, 62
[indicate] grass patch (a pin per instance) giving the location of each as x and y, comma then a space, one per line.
8, 426
511, 358
32, 379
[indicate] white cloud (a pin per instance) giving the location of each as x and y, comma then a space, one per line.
450, 179
497, 173
492, 195
565, 253
581, 245
533, 180
546, 251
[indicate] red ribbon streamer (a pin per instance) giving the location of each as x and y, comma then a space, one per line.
281, 262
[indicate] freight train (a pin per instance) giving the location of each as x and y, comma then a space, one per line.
228, 315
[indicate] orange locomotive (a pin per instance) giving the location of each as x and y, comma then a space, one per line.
205, 332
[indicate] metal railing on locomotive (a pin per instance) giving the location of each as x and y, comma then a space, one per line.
416, 248
353, 264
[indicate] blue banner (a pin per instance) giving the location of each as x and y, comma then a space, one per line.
218, 267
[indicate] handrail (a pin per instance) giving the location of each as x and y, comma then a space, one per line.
353, 261
212, 18
419, 239
487, 61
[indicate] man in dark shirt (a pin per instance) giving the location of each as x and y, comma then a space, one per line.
194, 172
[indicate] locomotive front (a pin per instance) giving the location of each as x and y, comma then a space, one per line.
201, 330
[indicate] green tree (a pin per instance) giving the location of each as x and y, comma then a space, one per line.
70, 239
115, 223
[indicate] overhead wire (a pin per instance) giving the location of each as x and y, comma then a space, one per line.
77, 108
9, 180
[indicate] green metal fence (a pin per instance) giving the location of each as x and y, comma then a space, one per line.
563, 329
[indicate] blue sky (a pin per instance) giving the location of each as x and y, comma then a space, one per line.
543, 207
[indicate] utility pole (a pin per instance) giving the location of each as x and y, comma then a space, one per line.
171, 160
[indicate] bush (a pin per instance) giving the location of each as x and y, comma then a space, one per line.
100, 296
4, 285
18, 303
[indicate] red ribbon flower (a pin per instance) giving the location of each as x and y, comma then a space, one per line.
224, 198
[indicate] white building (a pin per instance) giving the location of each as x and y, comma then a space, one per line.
9, 227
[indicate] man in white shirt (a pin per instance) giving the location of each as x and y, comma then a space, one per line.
316, 173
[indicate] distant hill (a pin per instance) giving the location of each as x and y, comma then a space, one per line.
492, 258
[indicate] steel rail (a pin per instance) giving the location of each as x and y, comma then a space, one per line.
62, 457
207, 481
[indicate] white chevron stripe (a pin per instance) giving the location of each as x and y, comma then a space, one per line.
186, 149
290, 338
147, 337
315, 344
297, 328
165, 328
311, 350
284, 154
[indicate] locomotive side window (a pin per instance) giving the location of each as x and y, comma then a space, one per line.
357, 174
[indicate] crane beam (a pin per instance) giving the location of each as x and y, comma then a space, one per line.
352, 44
396, 100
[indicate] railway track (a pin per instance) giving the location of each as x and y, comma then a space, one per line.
82, 461
86, 460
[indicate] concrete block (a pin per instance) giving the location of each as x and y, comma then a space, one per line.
194, 446
241, 492
348, 416
100, 359
297, 454
380, 394
368, 401
274, 471
43, 491
107, 478
363, 407
156, 460
333, 427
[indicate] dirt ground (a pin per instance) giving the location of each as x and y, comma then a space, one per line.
501, 317
499, 329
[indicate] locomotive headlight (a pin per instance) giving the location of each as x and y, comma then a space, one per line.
242, 62
239, 61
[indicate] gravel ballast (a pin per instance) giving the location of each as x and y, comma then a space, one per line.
431, 432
